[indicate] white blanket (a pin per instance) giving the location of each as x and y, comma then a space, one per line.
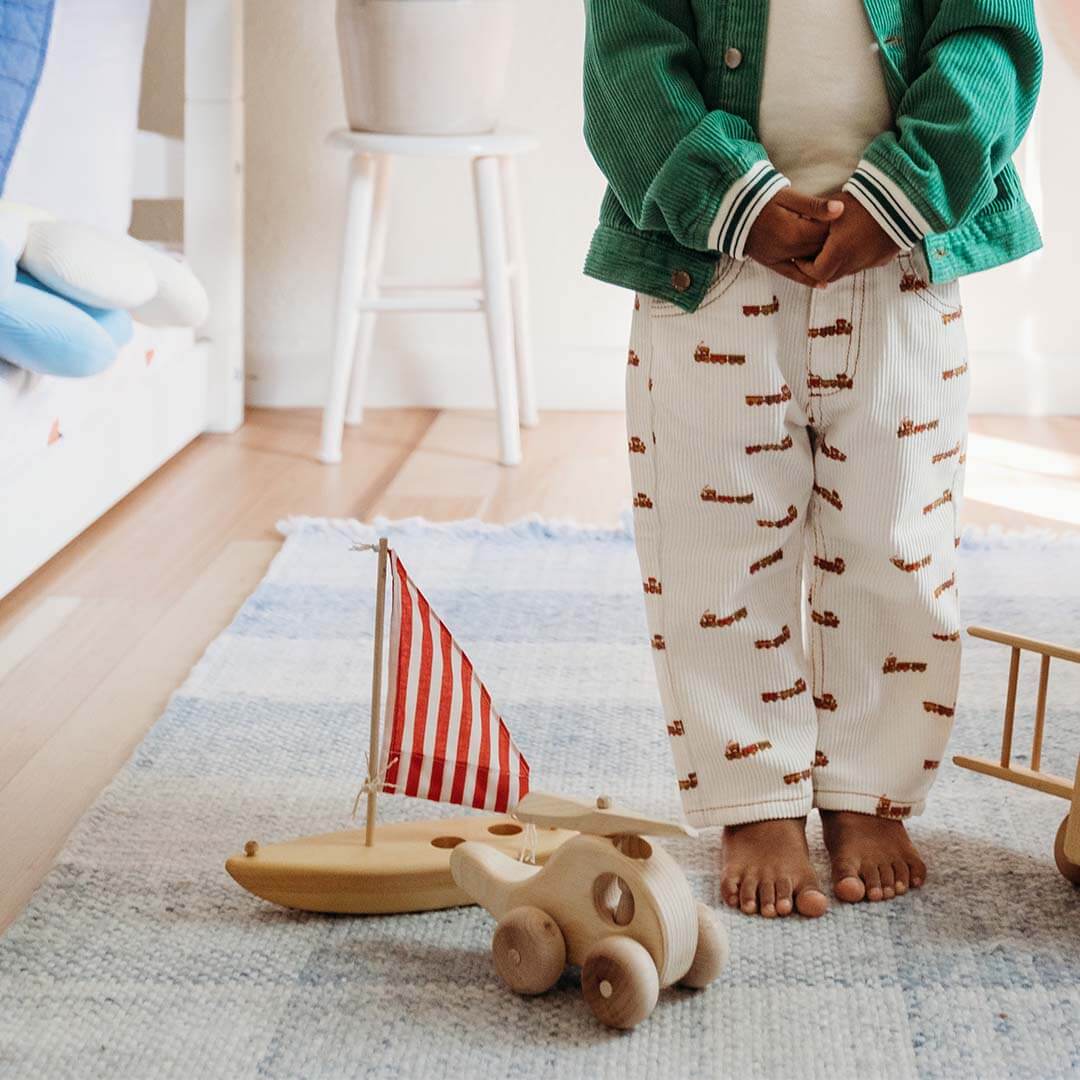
76, 156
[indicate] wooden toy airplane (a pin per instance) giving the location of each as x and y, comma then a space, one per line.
1067, 842
607, 899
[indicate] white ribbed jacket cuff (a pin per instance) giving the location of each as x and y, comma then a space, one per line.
742, 203
887, 205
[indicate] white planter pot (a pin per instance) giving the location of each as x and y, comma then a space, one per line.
424, 67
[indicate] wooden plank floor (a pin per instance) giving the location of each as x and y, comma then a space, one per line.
94, 643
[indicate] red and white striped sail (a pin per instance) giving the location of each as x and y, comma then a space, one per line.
446, 742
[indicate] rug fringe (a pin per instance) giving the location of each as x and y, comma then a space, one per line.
532, 527
535, 527
996, 538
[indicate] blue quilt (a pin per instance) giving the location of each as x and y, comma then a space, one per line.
24, 38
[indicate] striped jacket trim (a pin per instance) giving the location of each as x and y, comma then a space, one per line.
888, 205
741, 205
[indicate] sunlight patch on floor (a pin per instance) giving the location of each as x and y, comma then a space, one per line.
1021, 477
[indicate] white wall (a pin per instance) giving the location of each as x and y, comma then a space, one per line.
294, 98
1022, 320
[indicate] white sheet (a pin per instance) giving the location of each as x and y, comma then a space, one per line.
73, 447
76, 156
38, 411
14, 383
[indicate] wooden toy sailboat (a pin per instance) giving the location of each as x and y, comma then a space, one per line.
445, 743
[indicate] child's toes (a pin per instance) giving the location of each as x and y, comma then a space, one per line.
767, 899
901, 880
729, 890
810, 900
918, 872
847, 882
748, 894
784, 902
872, 878
885, 873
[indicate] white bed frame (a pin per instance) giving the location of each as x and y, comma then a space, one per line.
206, 170
55, 499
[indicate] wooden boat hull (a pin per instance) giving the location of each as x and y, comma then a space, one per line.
407, 869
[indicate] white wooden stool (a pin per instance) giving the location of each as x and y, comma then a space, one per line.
500, 295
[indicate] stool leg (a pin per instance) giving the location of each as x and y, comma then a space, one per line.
353, 259
498, 306
519, 285
380, 222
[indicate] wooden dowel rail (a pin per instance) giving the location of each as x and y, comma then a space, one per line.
1017, 641
1010, 709
1067, 841
1048, 651
1040, 715
1017, 774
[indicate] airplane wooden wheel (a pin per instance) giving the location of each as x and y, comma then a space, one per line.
1070, 870
529, 950
619, 982
711, 954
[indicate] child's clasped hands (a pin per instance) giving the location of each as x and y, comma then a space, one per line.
815, 240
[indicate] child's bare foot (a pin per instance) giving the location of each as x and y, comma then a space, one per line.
872, 857
767, 869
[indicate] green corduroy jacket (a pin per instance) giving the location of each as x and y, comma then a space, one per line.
671, 103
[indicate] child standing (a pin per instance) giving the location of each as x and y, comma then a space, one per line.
795, 186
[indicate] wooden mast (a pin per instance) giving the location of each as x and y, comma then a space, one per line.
376, 696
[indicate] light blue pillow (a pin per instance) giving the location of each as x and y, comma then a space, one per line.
7, 269
118, 324
42, 332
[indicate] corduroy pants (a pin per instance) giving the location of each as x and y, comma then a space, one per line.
797, 458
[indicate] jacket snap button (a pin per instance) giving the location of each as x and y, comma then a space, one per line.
681, 281
732, 57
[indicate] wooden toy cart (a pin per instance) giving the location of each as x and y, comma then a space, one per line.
1067, 843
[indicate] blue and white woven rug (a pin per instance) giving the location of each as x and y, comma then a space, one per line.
139, 957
